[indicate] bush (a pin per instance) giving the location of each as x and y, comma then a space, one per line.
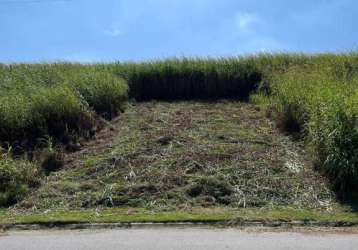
16, 179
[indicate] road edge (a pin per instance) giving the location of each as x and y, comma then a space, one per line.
139, 225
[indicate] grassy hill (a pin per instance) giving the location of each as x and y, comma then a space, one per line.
259, 132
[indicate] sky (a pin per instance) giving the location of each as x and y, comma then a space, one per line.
136, 30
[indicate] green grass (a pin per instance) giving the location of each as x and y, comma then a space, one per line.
224, 215
312, 96
319, 101
102, 91
101, 86
57, 103
202, 78
55, 100
177, 155
17, 178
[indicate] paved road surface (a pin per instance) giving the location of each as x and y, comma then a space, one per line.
165, 238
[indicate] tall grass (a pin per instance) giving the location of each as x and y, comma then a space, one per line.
313, 95
16, 179
52, 110
199, 78
321, 100
55, 99
102, 91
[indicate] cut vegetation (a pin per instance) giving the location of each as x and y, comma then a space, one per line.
285, 137
187, 154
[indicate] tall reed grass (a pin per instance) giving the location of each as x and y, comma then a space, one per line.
209, 78
320, 100
313, 95
55, 100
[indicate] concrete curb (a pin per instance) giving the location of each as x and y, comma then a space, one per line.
139, 225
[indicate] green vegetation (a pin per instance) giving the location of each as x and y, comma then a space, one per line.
104, 92
206, 153
188, 79
56, 103
16, 179
222, 215
178, 155
55, 100
319, 101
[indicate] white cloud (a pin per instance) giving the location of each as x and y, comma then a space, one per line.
246, 21
113, 32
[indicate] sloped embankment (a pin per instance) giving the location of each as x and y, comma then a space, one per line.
179, 155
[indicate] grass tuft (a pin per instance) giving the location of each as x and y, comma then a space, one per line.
16, 179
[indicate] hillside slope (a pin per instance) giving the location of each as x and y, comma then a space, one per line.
180, 155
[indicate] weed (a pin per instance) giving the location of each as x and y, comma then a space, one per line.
16, 179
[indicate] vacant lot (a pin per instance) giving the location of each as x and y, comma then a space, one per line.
186, 154
266, 135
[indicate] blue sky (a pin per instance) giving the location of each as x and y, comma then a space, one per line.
107, 30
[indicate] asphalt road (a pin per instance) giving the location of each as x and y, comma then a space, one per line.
169, 238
